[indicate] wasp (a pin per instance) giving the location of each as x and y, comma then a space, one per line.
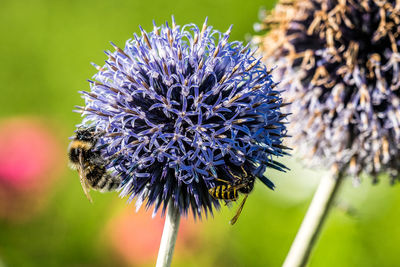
230, 191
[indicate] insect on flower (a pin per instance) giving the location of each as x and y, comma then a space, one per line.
89, 163
242, 184
179, 106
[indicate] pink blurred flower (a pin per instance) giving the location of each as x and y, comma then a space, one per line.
136, 237
30, 158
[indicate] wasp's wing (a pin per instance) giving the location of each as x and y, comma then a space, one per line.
82, 178
228, 202
234, 219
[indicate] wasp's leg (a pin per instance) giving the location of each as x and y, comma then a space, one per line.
244, 171
236, 217
233, 175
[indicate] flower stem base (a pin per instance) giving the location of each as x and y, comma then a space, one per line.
169, 235
311, 226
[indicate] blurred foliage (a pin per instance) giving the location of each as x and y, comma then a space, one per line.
46, 50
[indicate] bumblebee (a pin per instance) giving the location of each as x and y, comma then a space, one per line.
89, 163
230, 191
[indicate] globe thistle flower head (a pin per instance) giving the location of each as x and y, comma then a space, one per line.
339, 63
180, 107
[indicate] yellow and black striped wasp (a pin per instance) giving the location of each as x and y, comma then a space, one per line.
230, 191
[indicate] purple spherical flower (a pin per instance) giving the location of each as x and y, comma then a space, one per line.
180, 107
340, 63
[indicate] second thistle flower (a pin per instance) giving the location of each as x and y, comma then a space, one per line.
179, 107
339, 62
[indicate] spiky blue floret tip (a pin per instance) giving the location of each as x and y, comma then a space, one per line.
179, 107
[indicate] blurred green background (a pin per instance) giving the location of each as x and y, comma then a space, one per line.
45, 219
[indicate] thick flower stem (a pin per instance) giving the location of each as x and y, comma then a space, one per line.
311, 226
169, 235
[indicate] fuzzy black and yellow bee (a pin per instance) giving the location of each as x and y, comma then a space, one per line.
89, 163
230, 191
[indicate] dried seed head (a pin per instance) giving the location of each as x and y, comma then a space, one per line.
338, 61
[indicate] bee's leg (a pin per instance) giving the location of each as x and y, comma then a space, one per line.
85, 187
83, 179
234, 219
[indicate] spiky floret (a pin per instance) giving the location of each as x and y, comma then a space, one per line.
339, 63
180, 106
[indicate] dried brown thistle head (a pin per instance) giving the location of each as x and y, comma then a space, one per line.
338, 61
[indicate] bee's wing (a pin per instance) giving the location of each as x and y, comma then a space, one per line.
82, 178
234, 219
